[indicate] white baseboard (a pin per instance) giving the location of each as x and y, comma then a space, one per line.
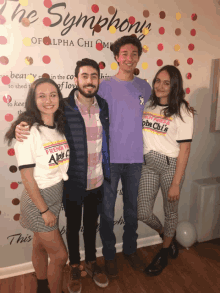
26, 268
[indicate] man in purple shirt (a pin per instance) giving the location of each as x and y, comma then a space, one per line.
126, 95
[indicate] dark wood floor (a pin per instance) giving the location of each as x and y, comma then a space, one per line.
195, 270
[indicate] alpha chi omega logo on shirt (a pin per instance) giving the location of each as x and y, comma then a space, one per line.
141, 100
155, 123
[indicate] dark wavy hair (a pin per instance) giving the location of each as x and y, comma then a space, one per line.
86, 62
32, 114
176, 96
115, 47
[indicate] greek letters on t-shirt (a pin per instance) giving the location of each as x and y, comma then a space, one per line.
155, 123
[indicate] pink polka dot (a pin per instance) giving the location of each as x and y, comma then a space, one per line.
188, 90
2, 19
193, 32
6, 80
11, 152
99, 46
46, 59
9, 117
2, 1
7, 99
131, 20
191, 47
14, 185
47, 3
46, 21
3, 40
160, 47
161, 30
190, 61
95, 8
159, 62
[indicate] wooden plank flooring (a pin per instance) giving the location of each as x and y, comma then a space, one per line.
196, 270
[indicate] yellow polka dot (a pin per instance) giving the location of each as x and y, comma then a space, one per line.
145, 48
144, 65
30, 78
147, 80
114, 66
145, 31
27, 41
178, 16
112, 29
177, 47
23, 2
28, 60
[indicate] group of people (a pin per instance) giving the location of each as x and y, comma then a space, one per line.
78, 149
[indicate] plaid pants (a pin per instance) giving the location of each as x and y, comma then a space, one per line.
157, 171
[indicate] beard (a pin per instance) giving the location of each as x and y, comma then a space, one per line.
90, 94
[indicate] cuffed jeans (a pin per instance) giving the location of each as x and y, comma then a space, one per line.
130, 176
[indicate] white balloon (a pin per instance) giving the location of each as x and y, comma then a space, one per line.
186, 234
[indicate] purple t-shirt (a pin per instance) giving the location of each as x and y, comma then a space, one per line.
126, 100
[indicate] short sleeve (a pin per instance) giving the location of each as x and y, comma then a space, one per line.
101, 91
185, 126
26, 151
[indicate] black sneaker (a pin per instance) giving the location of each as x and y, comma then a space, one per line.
111, 267
158, 263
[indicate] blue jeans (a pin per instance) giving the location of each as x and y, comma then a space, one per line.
130, 176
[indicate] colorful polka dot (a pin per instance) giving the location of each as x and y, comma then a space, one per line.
2, 1
17, 217
189, 75
95, 8
11, 152
145, 31
191, 47
47, 3
30, 78
3, 40
193, 32
187, 90
114, 66
178, 31
162, 14
194, 16
146, 13
23, 2
13, 169
15, 201
27, 42
144, 65
97, 28
178, 16
47, 21
7, 99
131, 20
46, 59
176, 62
190, 61
159, 62
136, 71
2, 19
145, 48
160, 47
161, 30
9, 117
134, 36
99, 46
177, 48
111, 10
6, 80
28, 60
14, 185
112, 29
46, 41
46, 75
4, 60
102, 65
25, 22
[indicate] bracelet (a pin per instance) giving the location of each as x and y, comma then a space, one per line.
44, 211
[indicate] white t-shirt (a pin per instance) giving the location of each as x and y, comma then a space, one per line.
48, 152
164, 134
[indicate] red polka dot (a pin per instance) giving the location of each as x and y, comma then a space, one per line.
101, 65
6, 80
191, 47
11, 152
99, 46
193, 32
160, 47
47, 3
46, 59
194, 16
131, 20
188, 90
2, 19
7, 99
189, 75
95, 8
159, 62
161, 30
46, 21
14, 185
9, 117
190, 61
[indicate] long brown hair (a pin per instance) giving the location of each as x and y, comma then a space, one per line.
176, 96
32, 115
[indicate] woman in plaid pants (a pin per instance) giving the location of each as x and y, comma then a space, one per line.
167, 134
